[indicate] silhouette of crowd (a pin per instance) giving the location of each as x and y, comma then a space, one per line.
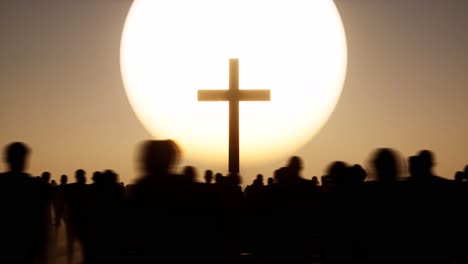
167, 216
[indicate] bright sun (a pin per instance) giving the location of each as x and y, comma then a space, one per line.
295, 48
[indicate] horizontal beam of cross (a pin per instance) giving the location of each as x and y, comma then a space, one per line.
226, 95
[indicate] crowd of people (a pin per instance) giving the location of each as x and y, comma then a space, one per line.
169, 216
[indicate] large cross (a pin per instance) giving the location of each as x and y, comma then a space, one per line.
233, 96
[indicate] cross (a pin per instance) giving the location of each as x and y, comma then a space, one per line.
233, 96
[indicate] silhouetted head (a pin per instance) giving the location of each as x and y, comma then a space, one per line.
315, 180
337, 172
80, 176
113, 176
63, 179
466, 170
337, 169
218, 177
190, 173
158, 157
386, 165
16, 156
260, 177
270, 181
427, 160
358, 173
45, 177
276, 175
109, 177
96, 178
294, 165
459, 176
53, 183
208, 176
259, 180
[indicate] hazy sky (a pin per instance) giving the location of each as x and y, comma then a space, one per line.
61, 89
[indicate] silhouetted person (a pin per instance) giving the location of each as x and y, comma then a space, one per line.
59, 201
458, 217
254, 193
293, 170
45, 214
154, 228
20, 202
76, 197
426, 167
384, 234
104, 241
208, 176
339, 214
438, 193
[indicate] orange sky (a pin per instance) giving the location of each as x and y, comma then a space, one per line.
61, 89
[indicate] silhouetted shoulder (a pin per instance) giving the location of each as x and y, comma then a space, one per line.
12, 179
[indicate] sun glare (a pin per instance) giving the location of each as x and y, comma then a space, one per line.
294, 48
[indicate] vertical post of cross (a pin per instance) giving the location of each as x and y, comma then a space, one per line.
234, 116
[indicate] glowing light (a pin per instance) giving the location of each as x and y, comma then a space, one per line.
294, 48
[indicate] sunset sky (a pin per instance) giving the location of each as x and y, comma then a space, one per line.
62, 93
